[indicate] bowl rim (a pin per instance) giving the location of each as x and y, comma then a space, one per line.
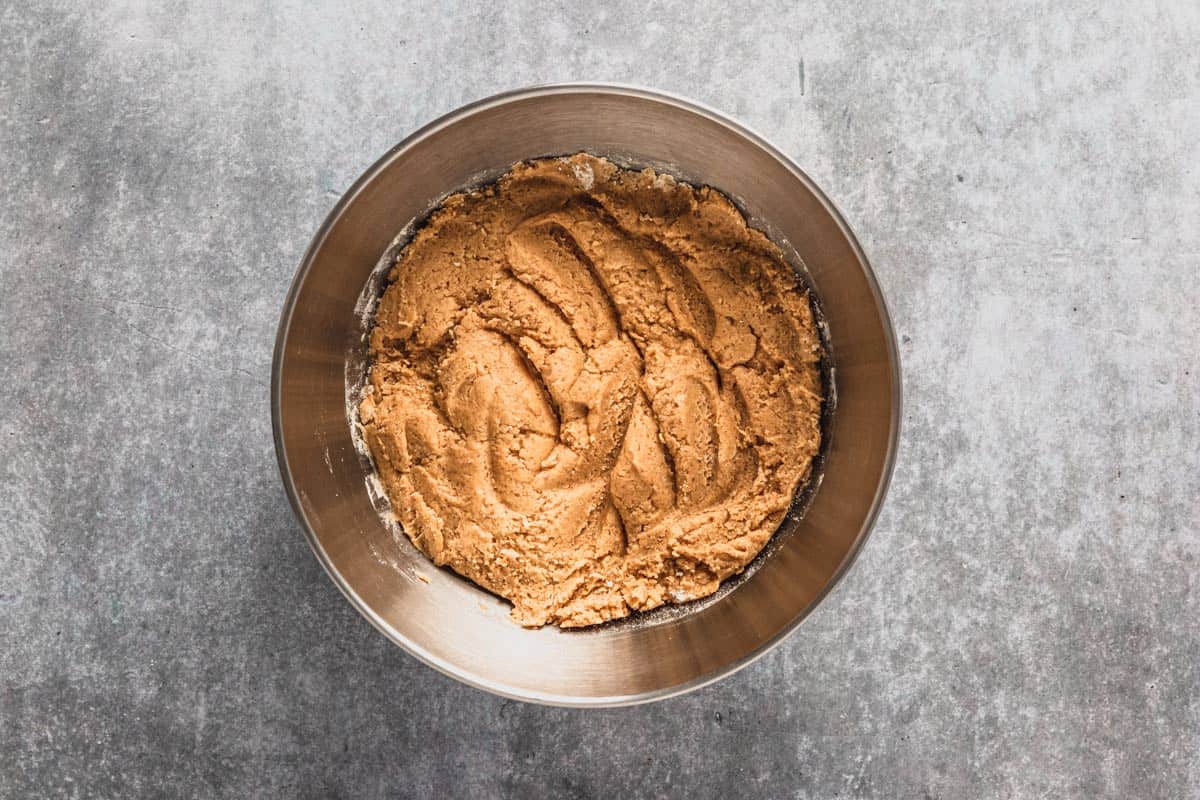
332, 219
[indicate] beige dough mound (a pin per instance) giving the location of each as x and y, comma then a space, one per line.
592, 390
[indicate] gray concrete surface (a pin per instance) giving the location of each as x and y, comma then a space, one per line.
1024, 621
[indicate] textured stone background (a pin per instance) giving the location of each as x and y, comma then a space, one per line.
1024, 621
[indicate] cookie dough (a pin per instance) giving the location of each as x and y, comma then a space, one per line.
592, 390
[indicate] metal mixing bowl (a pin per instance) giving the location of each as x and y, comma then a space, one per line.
443, 619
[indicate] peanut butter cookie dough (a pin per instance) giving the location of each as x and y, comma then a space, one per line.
592, 390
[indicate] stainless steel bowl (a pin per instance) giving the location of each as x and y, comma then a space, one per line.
443, 619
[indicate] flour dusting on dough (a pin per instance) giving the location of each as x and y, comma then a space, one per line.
583, 173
